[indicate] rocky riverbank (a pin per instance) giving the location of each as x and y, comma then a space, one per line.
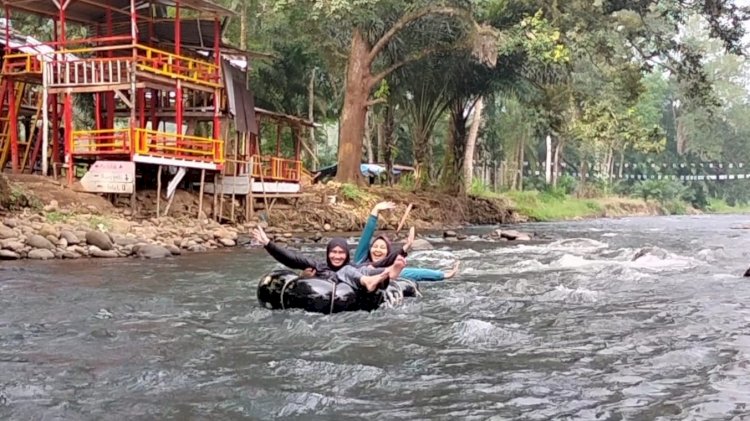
41, 236
42, 219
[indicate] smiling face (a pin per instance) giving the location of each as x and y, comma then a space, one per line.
378, 250
337, 256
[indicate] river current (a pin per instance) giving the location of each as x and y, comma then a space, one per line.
635, 318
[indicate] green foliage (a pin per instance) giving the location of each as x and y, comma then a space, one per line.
406, 182
541, 40
14, 197
480, 189
662, 191
100, 222
352, 193
57, 216
736, 193
721, 206
552, 207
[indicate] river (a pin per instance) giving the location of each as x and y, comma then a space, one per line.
572, 328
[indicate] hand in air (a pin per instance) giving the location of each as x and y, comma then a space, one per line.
260, 236
383, 206
410, 239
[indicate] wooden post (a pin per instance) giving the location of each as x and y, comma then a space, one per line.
133, 201
158, 192
236, 174
218, 209
403, 218
200, 198
169, 203
250, 199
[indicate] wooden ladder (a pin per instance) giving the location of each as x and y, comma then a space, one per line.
8, 88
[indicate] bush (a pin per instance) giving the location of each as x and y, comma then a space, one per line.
480, 189
352, 193
736, 193
406, 182
663, 190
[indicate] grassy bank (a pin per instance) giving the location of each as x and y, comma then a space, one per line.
720, 206
540, 206
547, 207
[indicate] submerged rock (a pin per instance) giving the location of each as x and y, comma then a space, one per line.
421, 244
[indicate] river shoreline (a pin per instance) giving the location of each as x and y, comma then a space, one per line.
50, 221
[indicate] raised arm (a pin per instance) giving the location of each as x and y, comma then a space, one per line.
286, 257
396, 251
363, 247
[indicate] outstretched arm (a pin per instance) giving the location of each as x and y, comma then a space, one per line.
363, 247
286, 257
371, 279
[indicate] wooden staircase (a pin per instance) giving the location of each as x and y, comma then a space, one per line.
11, 95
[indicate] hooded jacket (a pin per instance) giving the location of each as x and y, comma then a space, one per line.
295, 260
387, 260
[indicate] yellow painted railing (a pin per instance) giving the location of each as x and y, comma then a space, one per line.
21, 63
276, 169
178, 67
81, 66
177, 146
101, 142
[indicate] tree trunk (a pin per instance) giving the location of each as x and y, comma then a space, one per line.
243, 26
311, 116
353, 114
556, 167
471, 143
368, 136
381, 142
421, 145
622, 163
389, 128
548, 161
452, 178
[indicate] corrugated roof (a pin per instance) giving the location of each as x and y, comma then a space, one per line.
92, 11
28, 44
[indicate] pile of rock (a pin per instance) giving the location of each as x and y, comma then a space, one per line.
37, 238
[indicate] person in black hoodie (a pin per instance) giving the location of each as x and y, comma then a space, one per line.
336, 266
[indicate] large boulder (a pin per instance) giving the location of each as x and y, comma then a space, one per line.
39, 242
152, 251
41, 254
421, 244
6, 232
99, 239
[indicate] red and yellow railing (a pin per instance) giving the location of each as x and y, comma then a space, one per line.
101, 142
21, 64
178, 67
81, 66
178, 146
276, 169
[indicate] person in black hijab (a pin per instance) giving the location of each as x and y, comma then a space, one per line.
337, 258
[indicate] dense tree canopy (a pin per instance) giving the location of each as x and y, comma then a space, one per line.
443, 85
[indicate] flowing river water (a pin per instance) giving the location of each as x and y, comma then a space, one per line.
588, 325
